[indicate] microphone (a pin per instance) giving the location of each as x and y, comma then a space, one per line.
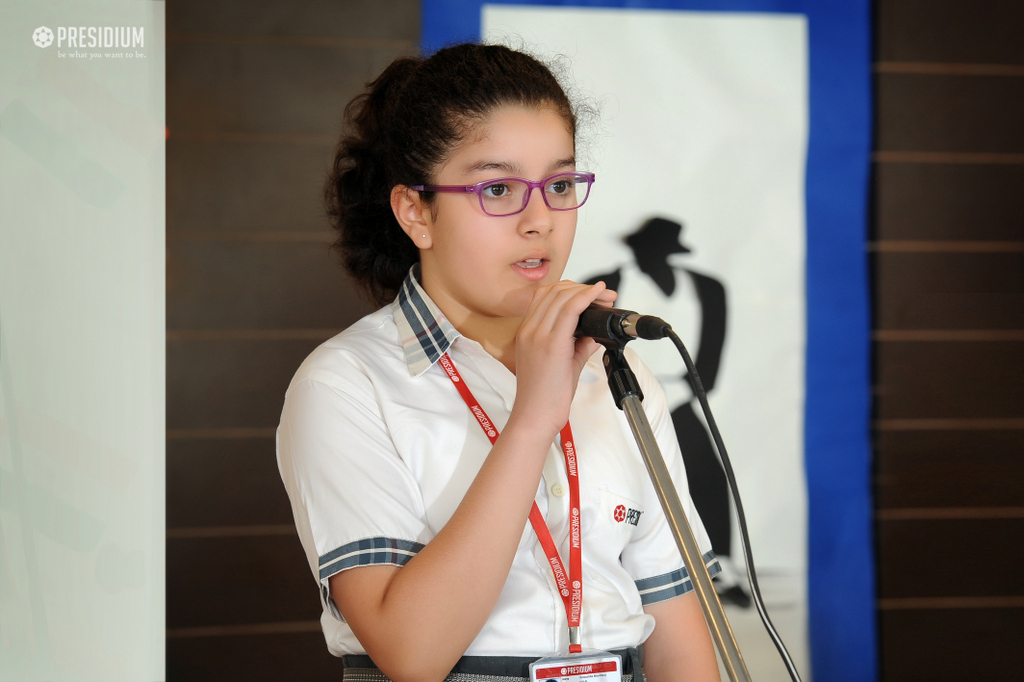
619, 326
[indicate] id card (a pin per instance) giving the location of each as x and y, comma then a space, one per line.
590, 666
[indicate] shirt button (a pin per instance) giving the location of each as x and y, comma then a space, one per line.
558, 490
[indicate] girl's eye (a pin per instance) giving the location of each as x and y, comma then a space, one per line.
561, 186
496, 191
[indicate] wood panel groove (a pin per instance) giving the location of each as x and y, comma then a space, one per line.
232, 531
322, 139
224, 432
250, 236
950, 68
896, 335
948, 157
249, 629
297, 41
927, 246
913, 603
250, 334
922, 513
948, 424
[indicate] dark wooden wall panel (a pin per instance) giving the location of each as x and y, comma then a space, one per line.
981, 31
950, 290
279, 88
246, 186
229, 384
950, 468
950, 113
255, 92
940, 202
256, 284
929, 557
240, 484
948, 266
952, 645
950, 380
352, 19
227, 581
298, 656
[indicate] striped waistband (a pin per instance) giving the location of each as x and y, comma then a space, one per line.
501, 666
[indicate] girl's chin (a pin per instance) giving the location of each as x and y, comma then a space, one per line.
517, 303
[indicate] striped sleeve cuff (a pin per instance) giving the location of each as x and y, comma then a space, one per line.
668, 585
368, 552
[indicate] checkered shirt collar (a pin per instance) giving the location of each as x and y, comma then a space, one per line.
424, 331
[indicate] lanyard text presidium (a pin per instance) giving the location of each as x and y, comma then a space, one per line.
570, 585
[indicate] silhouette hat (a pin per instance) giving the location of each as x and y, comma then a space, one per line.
657, 235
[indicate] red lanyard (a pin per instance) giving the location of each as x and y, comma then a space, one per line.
569, 587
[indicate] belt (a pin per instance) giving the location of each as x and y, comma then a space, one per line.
361, 667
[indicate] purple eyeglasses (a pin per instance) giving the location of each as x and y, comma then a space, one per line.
507, 196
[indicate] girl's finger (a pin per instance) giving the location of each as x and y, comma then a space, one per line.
547, 303
566, 305
538, 303
580, 301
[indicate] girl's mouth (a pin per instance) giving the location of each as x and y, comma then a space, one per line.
532, 269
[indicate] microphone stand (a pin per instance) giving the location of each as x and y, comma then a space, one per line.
627, 394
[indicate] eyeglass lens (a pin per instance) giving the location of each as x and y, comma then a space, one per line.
561, 193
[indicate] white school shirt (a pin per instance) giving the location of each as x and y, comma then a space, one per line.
376, 449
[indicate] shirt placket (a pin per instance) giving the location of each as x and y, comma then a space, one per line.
553, 491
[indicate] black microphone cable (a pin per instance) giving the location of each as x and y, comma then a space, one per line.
665, 330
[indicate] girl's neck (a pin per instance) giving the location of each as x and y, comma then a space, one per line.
497, 335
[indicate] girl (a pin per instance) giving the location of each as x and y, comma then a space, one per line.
455, 199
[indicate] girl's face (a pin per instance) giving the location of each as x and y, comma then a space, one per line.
478, 264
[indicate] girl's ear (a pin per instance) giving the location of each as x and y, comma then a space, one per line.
412, 214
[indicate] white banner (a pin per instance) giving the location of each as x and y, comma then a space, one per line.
697, 216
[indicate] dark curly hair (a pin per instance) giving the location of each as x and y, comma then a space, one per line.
402, 128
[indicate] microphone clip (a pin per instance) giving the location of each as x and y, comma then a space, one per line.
621, 380
613, 328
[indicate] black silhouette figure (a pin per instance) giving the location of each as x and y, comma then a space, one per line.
651, 244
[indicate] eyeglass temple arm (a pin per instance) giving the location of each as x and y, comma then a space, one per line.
443, 188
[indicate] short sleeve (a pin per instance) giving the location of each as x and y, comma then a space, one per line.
652, 558
354, 500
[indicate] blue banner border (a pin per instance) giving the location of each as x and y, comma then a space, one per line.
841, 571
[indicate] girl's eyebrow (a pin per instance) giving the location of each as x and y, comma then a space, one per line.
513, 168
504, 166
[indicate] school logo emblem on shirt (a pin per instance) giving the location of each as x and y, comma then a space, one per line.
630, 516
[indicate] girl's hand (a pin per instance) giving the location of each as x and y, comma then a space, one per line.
548, 357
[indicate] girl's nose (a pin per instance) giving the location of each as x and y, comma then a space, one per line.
536, 218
